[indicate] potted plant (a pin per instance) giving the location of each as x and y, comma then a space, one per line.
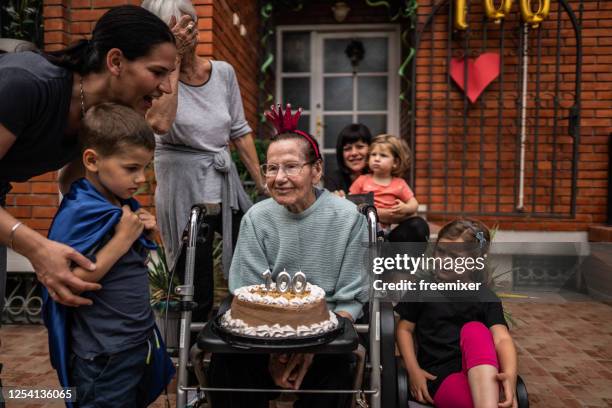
163, 299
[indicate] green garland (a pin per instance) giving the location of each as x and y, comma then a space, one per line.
407, 10
267, 43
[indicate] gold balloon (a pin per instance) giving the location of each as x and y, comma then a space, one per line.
534, 18
461, 15
492, 12
496, 14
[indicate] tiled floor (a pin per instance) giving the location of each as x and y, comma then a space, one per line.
24, 353
565, 355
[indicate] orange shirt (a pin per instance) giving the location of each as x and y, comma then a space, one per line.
384, 196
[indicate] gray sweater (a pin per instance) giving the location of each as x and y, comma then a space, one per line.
326, 242
192, 161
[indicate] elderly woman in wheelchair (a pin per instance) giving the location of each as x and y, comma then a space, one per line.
300, 228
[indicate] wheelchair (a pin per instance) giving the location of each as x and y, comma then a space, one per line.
381, 380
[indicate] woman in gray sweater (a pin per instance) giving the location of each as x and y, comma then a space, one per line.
300, 228
195, 125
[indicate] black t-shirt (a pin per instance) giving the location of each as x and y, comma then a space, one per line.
120, 316
437, 329
34, 105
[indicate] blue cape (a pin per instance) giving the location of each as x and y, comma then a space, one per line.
84, 218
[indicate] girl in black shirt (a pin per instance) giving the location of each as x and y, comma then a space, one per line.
465, 352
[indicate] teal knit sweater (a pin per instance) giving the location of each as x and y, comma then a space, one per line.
326, 242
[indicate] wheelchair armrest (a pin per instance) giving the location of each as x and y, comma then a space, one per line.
361, 199
387, 357
521, 393
403, 393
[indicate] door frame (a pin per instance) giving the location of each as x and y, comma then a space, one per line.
322, 31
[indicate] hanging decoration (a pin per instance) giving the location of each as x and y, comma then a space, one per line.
355, 52
267, 45
481, 72
536, 18
460, 15
494, 14
407, 10
402, 9
497, 14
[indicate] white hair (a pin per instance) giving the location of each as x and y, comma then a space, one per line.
165, 9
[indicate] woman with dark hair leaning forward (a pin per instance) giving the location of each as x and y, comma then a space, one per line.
195, 124
43, 98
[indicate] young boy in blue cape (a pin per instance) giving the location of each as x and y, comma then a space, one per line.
111, 351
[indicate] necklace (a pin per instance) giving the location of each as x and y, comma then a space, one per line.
82, 100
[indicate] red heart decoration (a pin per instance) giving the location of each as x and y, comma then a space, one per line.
481, 72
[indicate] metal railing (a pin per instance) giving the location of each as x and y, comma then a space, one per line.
514, 151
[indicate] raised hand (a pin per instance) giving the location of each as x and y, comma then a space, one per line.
185, 32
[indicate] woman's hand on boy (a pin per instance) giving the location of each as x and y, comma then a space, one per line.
130, 227
418, 385
508, 384
51, 263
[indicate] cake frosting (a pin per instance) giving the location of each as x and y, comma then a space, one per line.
256, 311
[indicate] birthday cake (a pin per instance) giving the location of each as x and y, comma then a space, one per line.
264, 311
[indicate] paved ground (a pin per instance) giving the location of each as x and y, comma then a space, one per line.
565, 355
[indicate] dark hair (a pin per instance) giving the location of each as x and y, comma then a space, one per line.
109, 127
132, 29
352, 133
474, 232
469, 230
355, 132
311, 150
400, 150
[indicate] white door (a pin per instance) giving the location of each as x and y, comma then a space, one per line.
316, 73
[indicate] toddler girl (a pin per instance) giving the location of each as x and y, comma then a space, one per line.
389, 159
465, 352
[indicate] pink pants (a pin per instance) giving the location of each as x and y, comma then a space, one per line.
477, 348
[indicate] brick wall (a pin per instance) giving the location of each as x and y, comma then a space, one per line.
434, 164
320, 12
66, 21
241, 52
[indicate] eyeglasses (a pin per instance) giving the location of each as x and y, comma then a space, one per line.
290, 169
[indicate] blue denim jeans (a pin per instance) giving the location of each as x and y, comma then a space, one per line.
117, 380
